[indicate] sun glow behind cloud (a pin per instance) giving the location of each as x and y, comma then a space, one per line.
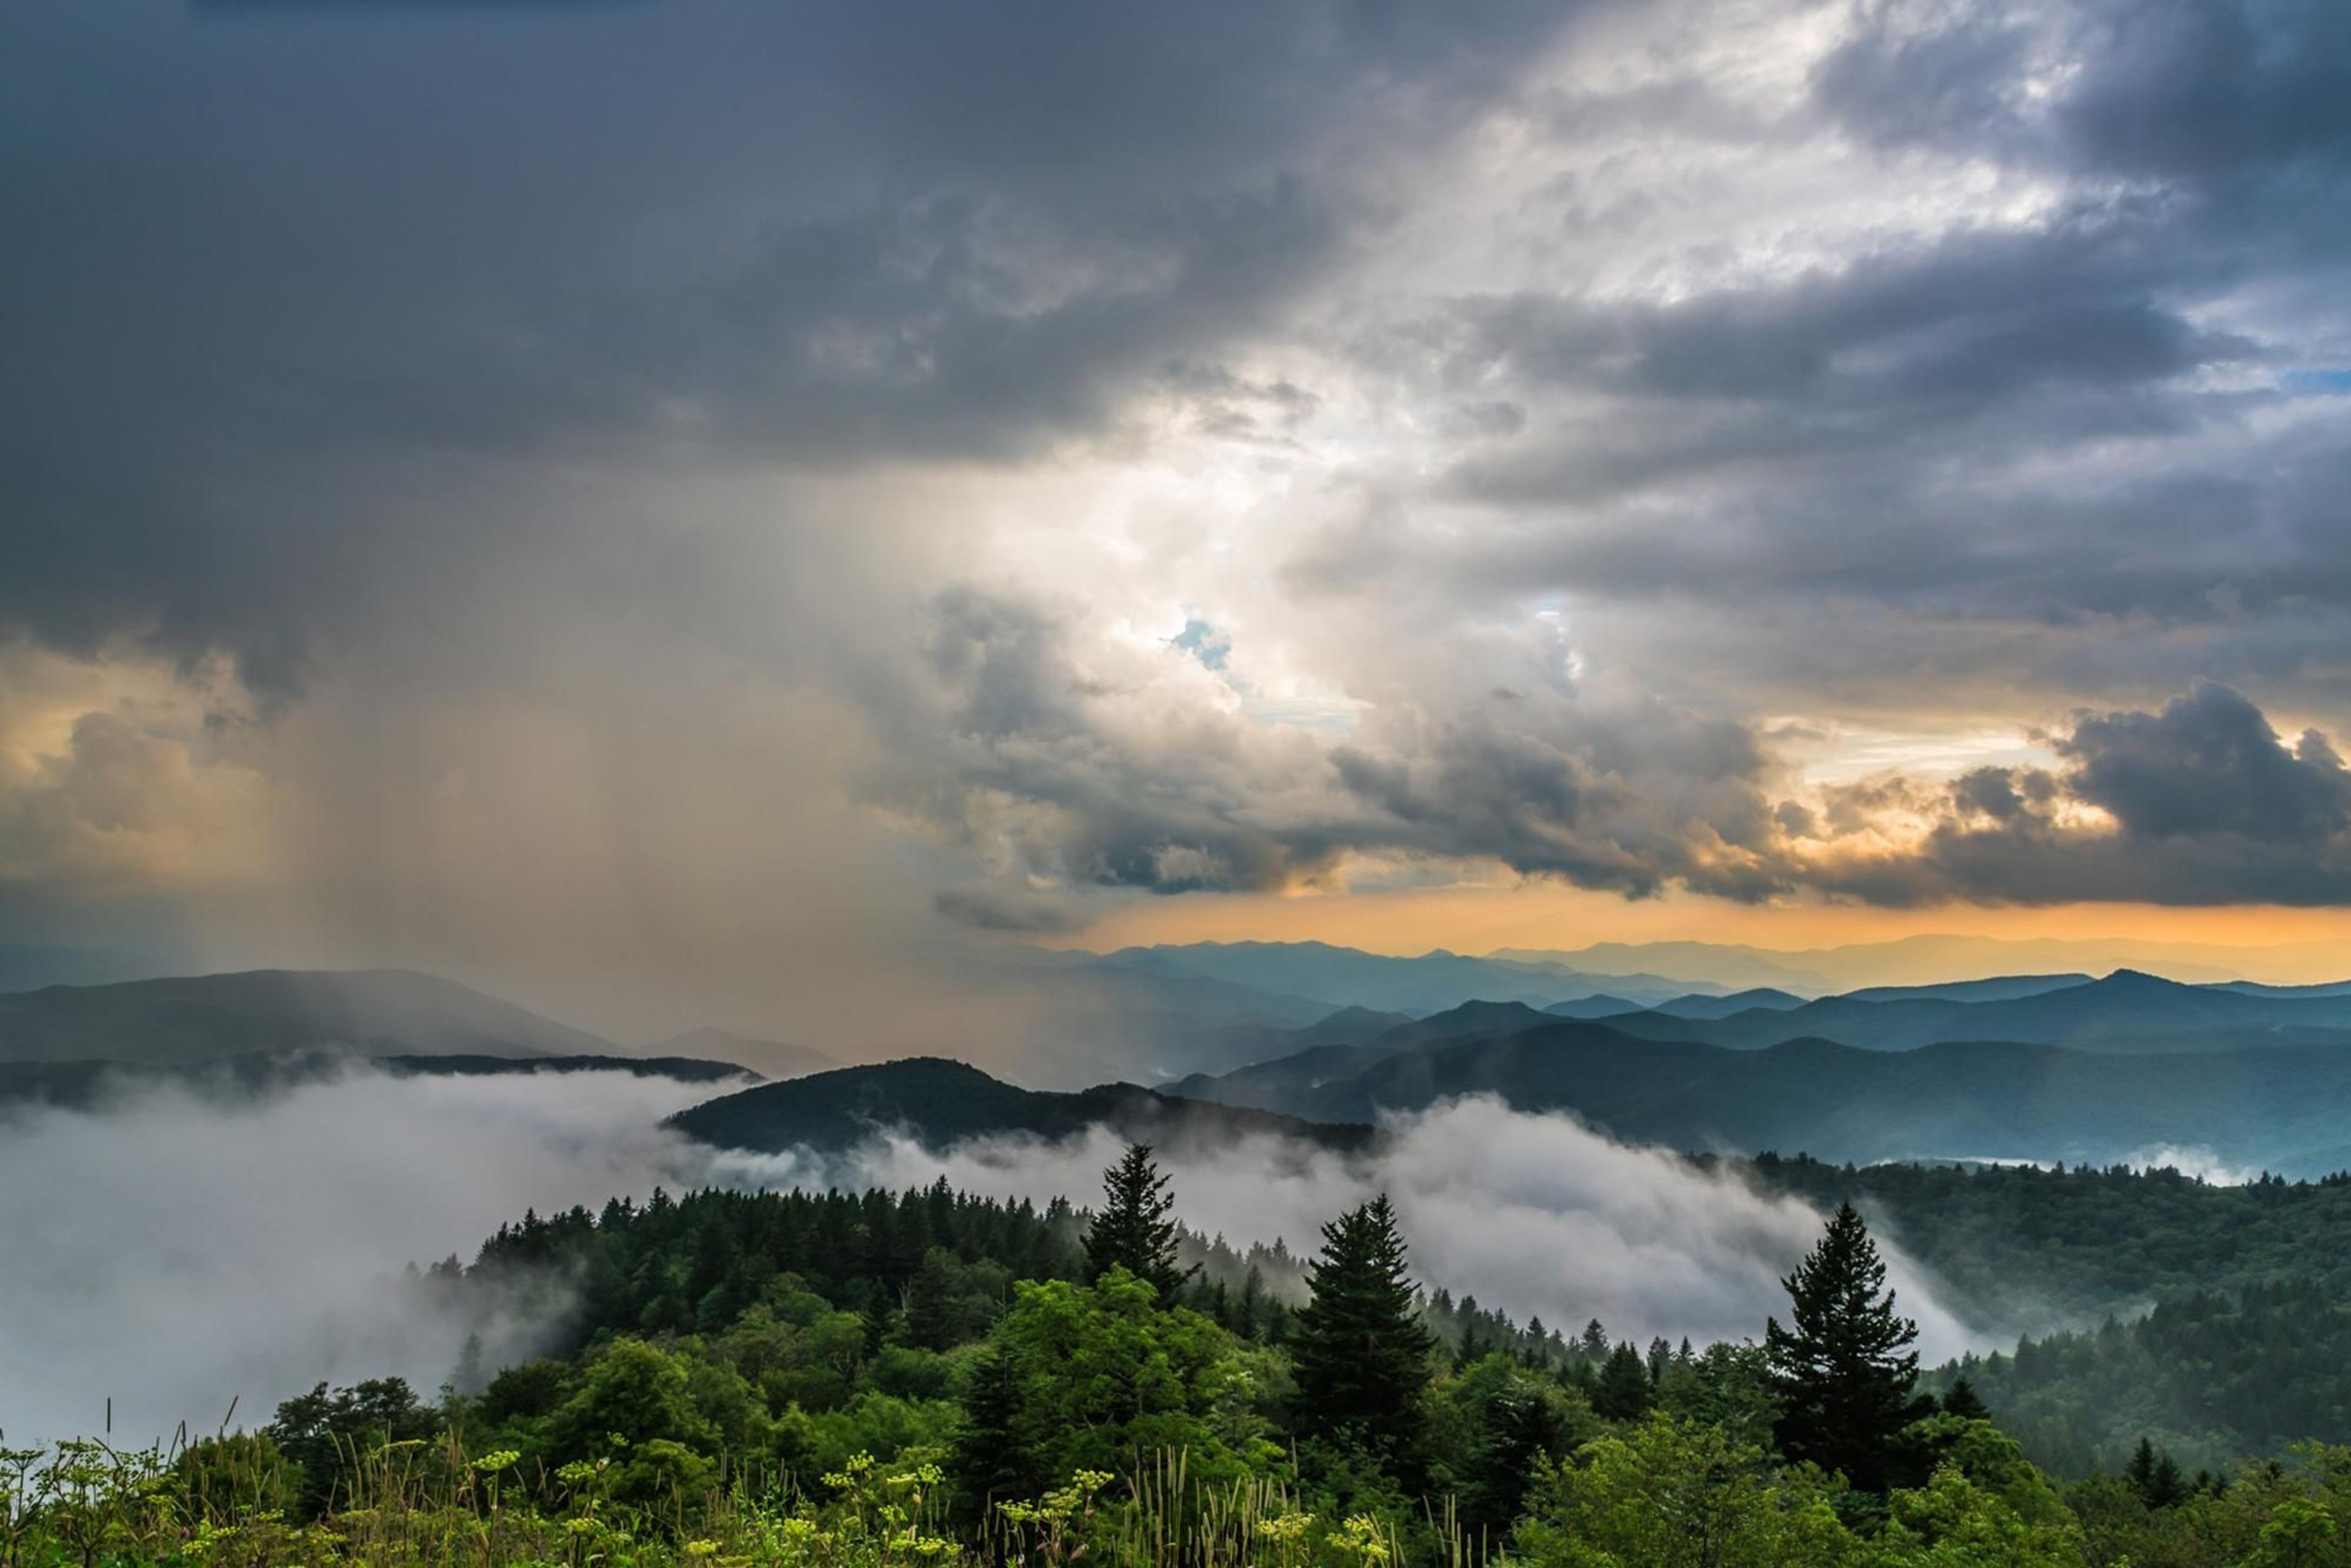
1662, 451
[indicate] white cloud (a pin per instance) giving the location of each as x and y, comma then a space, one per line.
173, 1253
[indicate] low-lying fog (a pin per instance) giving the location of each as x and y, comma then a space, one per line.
172, 1252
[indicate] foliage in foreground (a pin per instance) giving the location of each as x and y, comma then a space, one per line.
1660, 1492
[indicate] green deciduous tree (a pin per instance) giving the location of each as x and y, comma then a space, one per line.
328, 1434
635, 1391
1099, 1377
1843, 1368
1669, 1492
1955, 1522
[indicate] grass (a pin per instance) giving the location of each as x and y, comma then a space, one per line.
233, 1501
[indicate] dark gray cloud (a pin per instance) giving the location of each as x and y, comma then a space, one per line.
286, 255
2218, 95
2062, 442
587, 425
2209, 764
2199, 802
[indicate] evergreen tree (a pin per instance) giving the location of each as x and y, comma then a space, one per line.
1842, 1369
1623, 1390
1136, 1228
990, 1454
930, 1321
1962, 1400
1360, 1351
2155, 1476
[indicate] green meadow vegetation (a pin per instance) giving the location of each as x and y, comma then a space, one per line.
927, 1377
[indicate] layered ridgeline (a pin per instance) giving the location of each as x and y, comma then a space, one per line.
2127, 1011
2249, 1092
2005, 1067
1651, 974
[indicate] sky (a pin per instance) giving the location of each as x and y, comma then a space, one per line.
682, 512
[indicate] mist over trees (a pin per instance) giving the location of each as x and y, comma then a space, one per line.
802, 1358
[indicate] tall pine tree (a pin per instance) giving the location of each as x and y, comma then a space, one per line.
1359, 1350
1136, 1228
1842, 1369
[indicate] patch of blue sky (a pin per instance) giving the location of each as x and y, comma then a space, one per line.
2331, 382
1212, 648
1204, 643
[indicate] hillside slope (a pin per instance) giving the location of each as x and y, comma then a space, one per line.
201, 1018
942, 1103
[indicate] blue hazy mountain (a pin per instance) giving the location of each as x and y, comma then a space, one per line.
1275, 1083
1346, 976
2279, 1109
199, 1018
2127, 1011
1765, 999
1997, 989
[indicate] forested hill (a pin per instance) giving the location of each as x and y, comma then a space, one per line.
2209, 1377
2017, 1248
941, 1103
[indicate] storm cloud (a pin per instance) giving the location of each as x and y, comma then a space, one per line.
675, 510
2199, 802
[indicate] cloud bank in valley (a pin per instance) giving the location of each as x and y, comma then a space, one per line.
173, 1253
1537, 1216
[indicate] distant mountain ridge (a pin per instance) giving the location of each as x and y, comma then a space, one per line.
2127, 1012
1349, 977
776, 1059
2282, 1108
1936, 959
1269, 1085
186, 1019
1765, 999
